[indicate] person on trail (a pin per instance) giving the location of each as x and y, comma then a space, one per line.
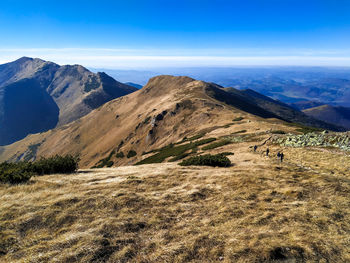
267, 152
255, 147
281, 156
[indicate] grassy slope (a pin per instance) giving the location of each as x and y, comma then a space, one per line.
254, 211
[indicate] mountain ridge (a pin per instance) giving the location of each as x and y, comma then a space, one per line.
74, 90
163, 112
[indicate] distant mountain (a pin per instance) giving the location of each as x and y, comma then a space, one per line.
331, 114
333, 91
288, 84
163, 112
305, 104
280, 109
37, 95
138, 86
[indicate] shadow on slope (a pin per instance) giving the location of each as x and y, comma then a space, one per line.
27, 108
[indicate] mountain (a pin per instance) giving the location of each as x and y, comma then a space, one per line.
163, 112
135, 85
280, 109
37, 95
259, 209
305, 104
331, 114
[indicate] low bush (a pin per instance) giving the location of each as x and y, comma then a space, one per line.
238, 119
219, 160
278, 132
109, 163
120, 155
15, 173
173, 150
21, 172
105, 161
131, 153
196, 137
216, 144
179, 157
55, 164
227, 153
237, 132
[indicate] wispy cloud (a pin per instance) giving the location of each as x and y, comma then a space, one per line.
146, 58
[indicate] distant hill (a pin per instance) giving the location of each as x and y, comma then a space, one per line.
331, 114
305, 104
163, 112
280, 109
138, 86
37, 95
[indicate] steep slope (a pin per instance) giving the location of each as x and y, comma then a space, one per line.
37, 95
331, 114
165, 111
305, 104
282, 110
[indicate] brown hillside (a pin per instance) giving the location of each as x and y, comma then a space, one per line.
165, 111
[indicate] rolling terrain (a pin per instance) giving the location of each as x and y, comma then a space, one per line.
165, 111
37, 95
332, 114
151, 209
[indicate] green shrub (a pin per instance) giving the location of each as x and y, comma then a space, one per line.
237, 132
15, 173
172, 150
227, 153
306, 129
207, 160
103, 162
120, 155
278, 132
179, 157
238, 119
216, 144
109, 163
131, 153
196, 137
55, 164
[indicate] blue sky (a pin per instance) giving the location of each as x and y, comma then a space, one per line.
152, 33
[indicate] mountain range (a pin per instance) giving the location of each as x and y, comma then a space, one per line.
163, 112
37, 95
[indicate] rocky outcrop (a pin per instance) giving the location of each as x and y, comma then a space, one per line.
323, 139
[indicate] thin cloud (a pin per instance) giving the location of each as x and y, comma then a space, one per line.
143, 58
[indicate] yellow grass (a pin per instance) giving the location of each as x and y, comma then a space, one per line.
258, 210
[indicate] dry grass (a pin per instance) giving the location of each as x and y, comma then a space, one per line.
258, 210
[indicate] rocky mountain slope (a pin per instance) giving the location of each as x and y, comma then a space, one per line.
165, 111
37, 95
332, 114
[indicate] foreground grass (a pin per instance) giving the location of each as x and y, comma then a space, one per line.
168, 213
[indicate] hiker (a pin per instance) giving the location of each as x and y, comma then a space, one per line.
267, 152
281, 156
278, 155
255, 147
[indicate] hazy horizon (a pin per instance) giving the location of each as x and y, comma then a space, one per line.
192, 33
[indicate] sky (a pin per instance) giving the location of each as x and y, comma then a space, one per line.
182, 33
